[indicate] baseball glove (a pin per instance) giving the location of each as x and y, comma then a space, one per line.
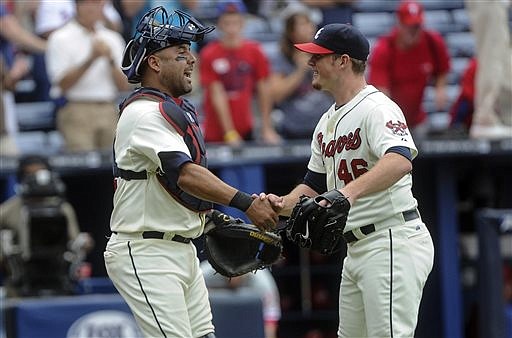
234, 248
319, 226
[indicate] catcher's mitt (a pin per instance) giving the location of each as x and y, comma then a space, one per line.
317, 226
234, 248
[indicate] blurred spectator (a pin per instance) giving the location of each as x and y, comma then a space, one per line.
403, 63
293, 94
493, 95
231, 69
461, 112
333, 11
7, 143
83, 63
24, 12
14, 37
39, 215
13, 67
260, 282
49, 16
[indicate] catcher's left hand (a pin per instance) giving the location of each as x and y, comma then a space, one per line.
234, 248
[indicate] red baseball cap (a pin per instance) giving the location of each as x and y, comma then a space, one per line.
410, 13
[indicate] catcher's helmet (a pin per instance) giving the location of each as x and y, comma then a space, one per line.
157, 30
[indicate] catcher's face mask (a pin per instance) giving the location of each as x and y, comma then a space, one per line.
157, 30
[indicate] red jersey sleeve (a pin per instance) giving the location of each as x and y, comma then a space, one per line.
379, 74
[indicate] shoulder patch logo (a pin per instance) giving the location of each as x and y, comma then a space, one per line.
397, 128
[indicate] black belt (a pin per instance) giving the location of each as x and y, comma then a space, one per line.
161, 235
350, 237
130, 174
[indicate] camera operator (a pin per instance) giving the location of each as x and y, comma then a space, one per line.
42, 248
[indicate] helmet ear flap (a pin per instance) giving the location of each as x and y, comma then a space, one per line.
131, 63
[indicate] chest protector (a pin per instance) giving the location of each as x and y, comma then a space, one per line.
182, 117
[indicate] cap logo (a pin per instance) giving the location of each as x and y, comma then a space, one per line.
413, 9
318, 33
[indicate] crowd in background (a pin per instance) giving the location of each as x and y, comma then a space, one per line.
251, 84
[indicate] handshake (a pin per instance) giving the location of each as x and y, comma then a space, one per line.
234, 247
316, 223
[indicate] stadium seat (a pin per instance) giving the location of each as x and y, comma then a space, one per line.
270, 48
461, 44
461, 18
36, 116
259, 29
47, 143
442, 4
452, 91
458, 66
373, 24
376, 6
37, 129
441, 21
243, 305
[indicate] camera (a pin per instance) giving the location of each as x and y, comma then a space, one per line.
39, 262
40, 184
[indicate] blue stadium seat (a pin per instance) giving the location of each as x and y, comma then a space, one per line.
461, 44
460, 17
36, 116
452, 91
442, 4
458, 66
243, 308
441, 21
373, 24
376, 6
37, 129
270, 48
45, 143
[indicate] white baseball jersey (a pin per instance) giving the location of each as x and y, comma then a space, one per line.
144, 205
159, 278
384, 272
348, 141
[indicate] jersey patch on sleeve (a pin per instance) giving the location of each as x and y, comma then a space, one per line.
397, 128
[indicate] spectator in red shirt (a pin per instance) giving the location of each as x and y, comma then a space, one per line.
405, 61
231, 70
461, 112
